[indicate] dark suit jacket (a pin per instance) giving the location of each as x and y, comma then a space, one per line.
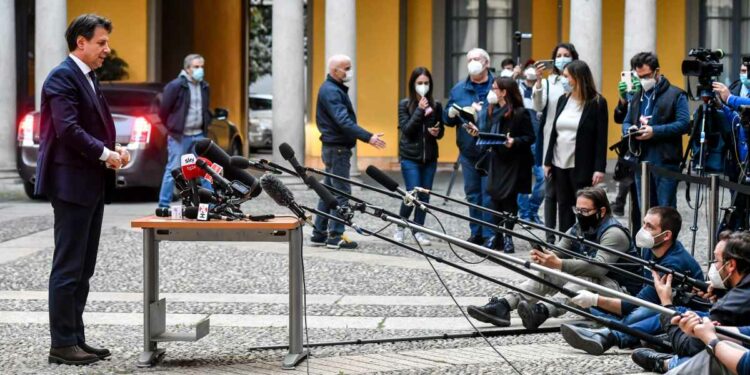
75, 127
175, 104
591, 140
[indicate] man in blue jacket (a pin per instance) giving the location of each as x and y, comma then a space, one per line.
472, 92
659, 114
184, 111
339, 133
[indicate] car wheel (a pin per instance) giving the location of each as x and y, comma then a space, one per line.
28, 188
236, 148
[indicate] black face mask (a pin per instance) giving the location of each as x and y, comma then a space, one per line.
588, 223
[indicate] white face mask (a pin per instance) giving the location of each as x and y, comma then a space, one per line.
422, 89
645, 240
349, 75
474, 67
648, 84
715, 277
492, 97
530, 74
506, 73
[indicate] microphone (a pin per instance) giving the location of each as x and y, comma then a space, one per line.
387, 182
208, 149
218, 179
282, 195
345, 212
163, 212
179, 179
288, 154
188, 168
207, 196
192, 213
244, 163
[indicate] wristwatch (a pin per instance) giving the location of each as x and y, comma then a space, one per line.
711, 346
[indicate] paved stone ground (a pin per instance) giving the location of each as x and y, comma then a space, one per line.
376, 291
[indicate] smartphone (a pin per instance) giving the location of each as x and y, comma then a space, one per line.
627, 77
546, 64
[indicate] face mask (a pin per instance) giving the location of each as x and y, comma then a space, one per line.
198, 74
714, 276
560, 62
744, 80
588, 223
349, 75
491, 97
474, 67
530, 74
506, 73
566, 85
648, 84
422, 89
645, 240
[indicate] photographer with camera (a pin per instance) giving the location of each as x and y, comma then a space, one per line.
657, 118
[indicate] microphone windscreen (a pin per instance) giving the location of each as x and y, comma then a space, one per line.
163, 212
190, 212
286, 151
239, 162
206, 196
276, 190
381, 178
322, 192
207, 148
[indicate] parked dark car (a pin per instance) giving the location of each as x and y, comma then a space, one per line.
135, 108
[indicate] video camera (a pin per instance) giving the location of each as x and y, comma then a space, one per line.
705, 65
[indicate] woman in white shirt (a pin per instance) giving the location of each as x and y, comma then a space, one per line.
577, 153
545, 96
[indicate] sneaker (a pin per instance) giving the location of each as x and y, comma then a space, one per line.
496, 312
422, 239
341, 243
532, 316
476, 239
318, 240
591, 341
399, 235
651, 360
508, 246
536, 220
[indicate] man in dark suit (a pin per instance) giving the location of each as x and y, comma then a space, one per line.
76, 170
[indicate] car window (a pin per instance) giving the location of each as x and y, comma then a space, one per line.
258, 104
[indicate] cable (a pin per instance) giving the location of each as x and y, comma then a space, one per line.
445, 286
451, 246
378, 231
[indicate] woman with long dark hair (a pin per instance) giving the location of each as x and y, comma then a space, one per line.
577, 152
546, 93
510, 161
419, 128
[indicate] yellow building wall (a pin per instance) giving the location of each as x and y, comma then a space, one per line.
671, 35
613, 23
223, 49
543, 28
318, 71
129, 30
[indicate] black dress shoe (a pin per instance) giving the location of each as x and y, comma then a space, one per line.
591, 341
71, 355
532, 316
496, 312
476, 239
101, 353
651, 360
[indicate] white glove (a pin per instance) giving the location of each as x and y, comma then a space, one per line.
585, 299
452, 112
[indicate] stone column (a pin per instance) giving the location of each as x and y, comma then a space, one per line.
288, 64
586, 34
8, 116
640, 29
50, 48
341, 39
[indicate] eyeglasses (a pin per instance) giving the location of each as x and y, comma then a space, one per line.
584, 211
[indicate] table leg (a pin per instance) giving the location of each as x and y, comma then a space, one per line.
296, 351
151, 354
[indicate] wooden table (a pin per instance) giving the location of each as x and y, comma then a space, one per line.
156, 229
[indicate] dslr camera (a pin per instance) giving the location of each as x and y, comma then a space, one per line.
706, 65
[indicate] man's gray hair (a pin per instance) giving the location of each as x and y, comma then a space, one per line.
481, 52
189, 59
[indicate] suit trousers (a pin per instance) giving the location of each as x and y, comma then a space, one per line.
77, 230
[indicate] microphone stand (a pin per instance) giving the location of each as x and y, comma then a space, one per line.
615, 325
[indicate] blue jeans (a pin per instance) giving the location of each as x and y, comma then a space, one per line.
475, 188
337, 161
175, 149
640, 319
417, 174
663, 190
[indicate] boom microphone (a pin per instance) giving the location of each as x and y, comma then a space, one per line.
282, 195
218, 179
245, 163
345, 212
387, 182
288, 154
207, 148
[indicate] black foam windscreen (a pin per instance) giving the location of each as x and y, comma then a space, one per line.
276, 190
190, 212
286, 151
381, 178
239, 162
163, 212
322, 192
207, 196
